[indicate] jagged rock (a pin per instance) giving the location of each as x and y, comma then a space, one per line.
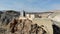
56, 29
7, 16
25, 26
10, 25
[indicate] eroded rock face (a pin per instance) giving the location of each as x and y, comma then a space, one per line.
25, 26
10, 25
7, 16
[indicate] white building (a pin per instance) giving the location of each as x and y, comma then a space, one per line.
33, 15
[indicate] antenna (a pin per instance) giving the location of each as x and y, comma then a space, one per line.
23, 13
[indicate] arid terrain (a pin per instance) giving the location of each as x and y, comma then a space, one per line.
12, 23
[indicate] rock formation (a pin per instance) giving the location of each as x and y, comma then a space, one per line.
25, 26
10, 23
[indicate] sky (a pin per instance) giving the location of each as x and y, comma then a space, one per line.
30, 5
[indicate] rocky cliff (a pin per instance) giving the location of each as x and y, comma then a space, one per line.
5, 18
11, 24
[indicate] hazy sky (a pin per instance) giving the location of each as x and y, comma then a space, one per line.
30, 5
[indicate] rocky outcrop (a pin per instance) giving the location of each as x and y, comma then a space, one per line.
25, 26
7, 16
56, 29
10, 23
